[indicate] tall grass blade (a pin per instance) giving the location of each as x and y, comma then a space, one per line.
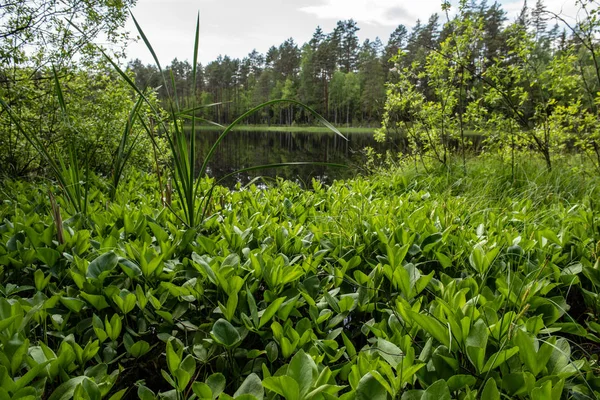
124, 152
41, 149
149, 46
72, 170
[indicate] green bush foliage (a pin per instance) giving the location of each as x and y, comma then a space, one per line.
397, 286
98, 103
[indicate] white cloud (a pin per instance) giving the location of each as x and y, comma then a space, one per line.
381, 12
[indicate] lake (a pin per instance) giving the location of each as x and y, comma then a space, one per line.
243, 149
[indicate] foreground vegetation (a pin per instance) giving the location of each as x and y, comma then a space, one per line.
398, 286
127, 272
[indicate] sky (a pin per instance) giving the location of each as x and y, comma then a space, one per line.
236, 27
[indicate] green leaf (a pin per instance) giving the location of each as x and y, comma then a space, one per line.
542, 392
6, 322
476, 259
225, 334
29, 376
438, 391
139, 348
303, 370
518, 383
72, 304
370, 389
284, 386
145, 394
98, 301
125, 300
182, 378
66, 390
47, 256
444, 260
119, 395
252, 385
216, 383
499, 358
432, 326
173, 358
202, 390
243, 397
270, 311
252, 307
476, 343
272, 351
459, 382
189, 365
350, 349
102, 265
91, 389
389, 352
490, 391
527, 352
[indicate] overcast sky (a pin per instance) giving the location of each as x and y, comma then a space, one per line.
236, 27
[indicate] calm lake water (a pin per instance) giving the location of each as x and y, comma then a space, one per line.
243, 149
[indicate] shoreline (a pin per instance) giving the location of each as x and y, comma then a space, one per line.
291, 129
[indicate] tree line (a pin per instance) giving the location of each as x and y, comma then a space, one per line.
341, 78
530, 85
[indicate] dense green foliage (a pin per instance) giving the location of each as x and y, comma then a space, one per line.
397, 286
37, 36
426, 280
332, 74
98, 103
449, 59
522, 87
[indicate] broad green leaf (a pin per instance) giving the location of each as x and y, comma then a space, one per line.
139, 348
173, 357
225, 334
459, 382
303, 370
370, 389
438, 391
216, 383
270, 311
252, 307
98, 301
432, 326
499, 358
490, 391
543, 392
389, 352
47, 256
189, 365
202, 390
252, 385
102, 265
145, 394
72, 304
284, 386
119, 395
6, 322
66, 390
527, 353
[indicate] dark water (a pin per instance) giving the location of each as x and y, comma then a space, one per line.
243, 149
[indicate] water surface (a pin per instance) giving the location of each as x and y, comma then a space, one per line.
243, 149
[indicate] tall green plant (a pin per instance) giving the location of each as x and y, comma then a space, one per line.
186, 179
125, 149
73, 181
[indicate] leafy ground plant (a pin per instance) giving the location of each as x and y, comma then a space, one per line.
396, 286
